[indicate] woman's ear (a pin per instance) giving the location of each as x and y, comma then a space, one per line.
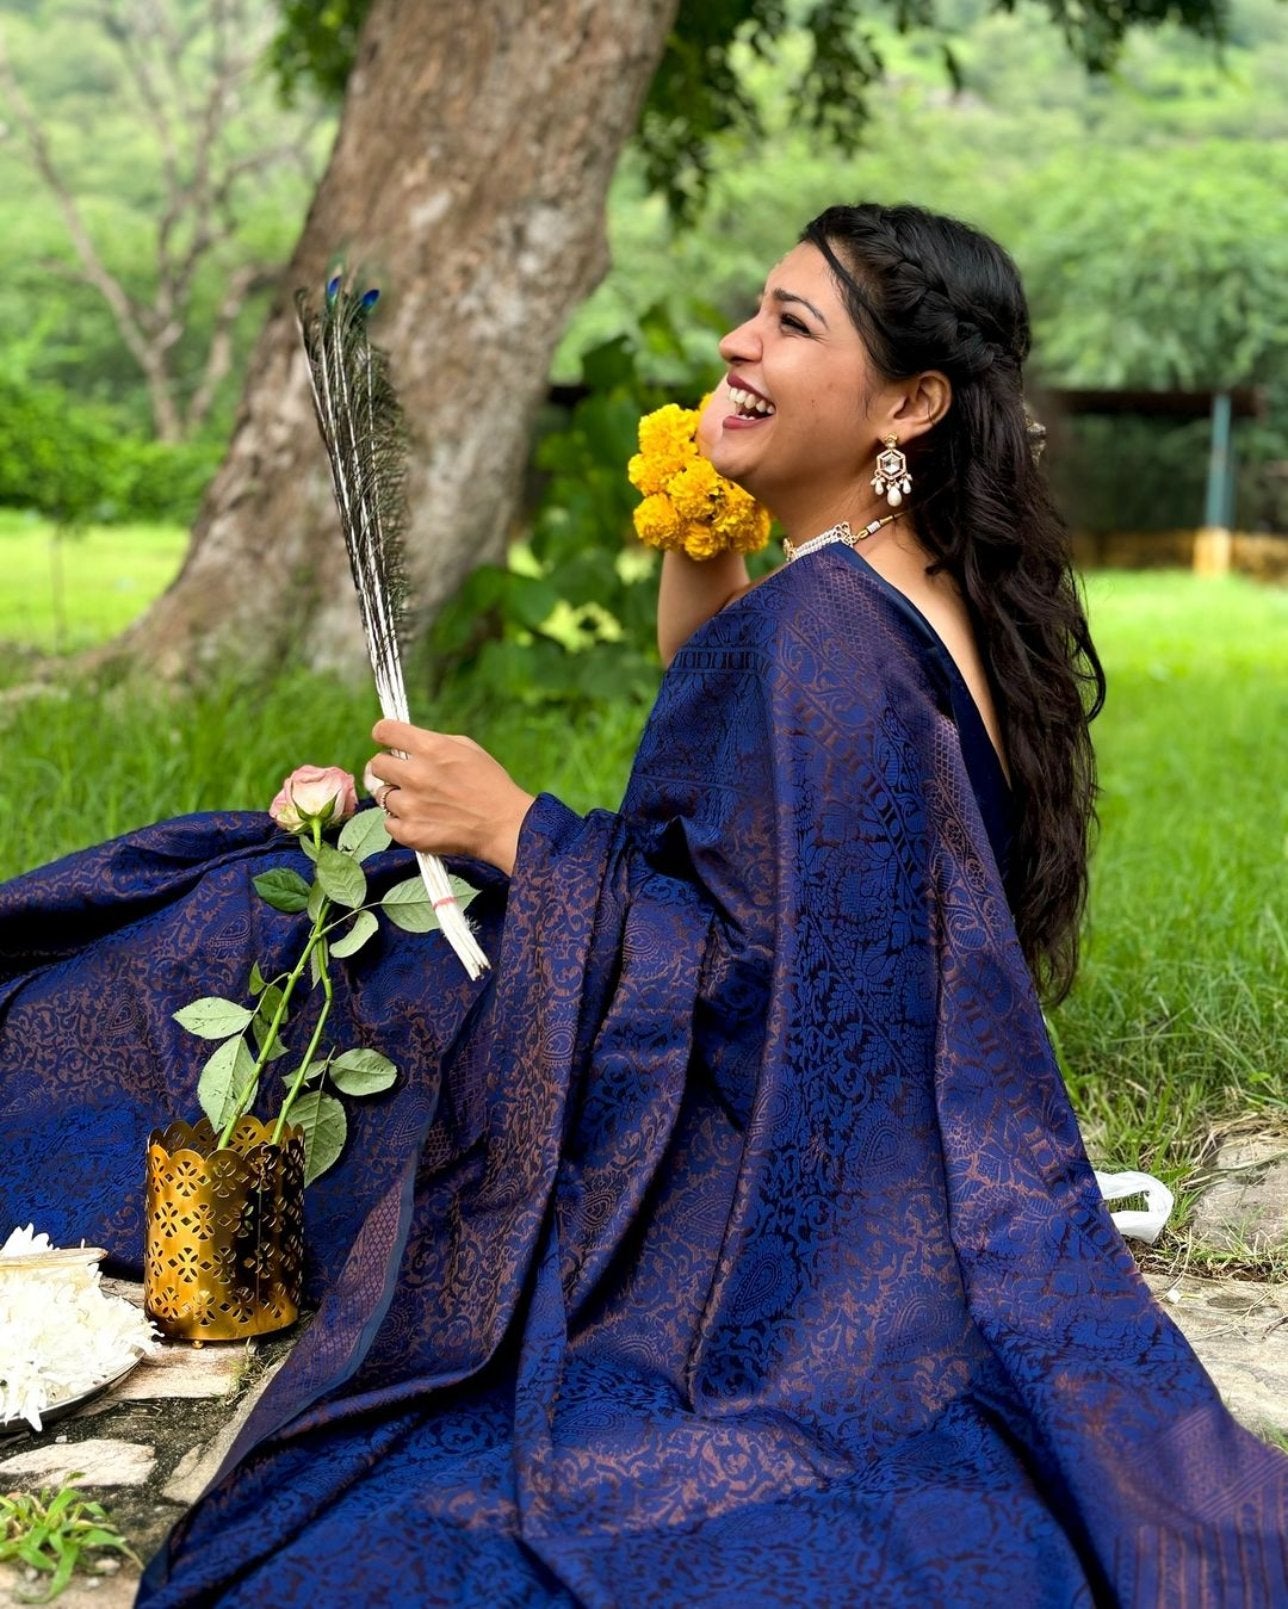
920, 403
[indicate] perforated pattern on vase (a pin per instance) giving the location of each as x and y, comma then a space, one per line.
225, 1231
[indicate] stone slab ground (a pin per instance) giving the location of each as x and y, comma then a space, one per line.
147, 1449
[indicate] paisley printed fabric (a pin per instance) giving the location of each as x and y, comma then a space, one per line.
731, 1242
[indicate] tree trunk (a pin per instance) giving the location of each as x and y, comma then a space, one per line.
468, 181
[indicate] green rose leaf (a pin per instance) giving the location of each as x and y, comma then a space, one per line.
284, 889
316, 1069
317, 962
269, 1001
407, 906
364, 925
214, 1018
322, 1118
317, 899
362, 1072
256, 978
308, 846
224, 1081
340, 877
464, 891
260, 1029
365, 834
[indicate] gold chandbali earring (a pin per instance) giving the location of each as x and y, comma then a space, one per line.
892, 475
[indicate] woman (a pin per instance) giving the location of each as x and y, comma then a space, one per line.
733, 1240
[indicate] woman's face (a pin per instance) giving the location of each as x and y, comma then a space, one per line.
802, 353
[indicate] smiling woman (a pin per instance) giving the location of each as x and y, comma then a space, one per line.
732, 1239
894, 333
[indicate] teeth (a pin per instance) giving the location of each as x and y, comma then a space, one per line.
748, 402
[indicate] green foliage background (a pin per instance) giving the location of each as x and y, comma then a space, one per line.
1147, 207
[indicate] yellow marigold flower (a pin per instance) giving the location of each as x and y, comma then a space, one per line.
645, 474
687, 504
743, 522
666, 438
701, 541
753, 533
697, 491
656, 521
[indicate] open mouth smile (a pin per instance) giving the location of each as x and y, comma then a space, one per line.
751, 410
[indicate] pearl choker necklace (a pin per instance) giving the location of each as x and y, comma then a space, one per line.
839, 532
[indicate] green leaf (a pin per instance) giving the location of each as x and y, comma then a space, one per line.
212, 1017
317, 962
365, 834
309, 847
464, 891
340, 877
317, 899
364, 925
260, 1030
362, 1072
284, 889
322, 1118
256, 978
407, 906
531, 600
224, 1081
268, 1003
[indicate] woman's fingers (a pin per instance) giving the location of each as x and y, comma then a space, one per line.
389, 768
446, 794
409, 739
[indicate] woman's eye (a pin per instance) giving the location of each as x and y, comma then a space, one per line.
793, 323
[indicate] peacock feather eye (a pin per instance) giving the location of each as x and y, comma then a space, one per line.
369, 299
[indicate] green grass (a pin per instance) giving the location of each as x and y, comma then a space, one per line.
1179, 1014
104, 576
83, 766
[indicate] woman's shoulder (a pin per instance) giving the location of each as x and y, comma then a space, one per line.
932, 604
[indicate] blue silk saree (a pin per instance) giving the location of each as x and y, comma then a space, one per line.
731, 1242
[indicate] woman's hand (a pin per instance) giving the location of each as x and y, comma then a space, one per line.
448, 797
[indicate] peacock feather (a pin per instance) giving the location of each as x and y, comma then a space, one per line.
361, 422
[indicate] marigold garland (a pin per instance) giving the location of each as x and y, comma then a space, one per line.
687, 505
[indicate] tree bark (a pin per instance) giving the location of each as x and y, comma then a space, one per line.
468, 180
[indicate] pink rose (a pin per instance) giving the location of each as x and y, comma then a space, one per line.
325, 793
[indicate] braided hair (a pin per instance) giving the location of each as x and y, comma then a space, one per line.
928, 292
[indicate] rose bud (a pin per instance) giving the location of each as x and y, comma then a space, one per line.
325, 794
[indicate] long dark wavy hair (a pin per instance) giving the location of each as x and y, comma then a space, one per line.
929, 292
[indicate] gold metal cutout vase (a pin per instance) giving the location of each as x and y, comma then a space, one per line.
225, 1231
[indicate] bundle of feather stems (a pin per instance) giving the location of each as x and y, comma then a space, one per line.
360, 419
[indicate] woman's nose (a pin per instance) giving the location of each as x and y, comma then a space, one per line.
739, 344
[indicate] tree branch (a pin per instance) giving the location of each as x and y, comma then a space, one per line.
243, 283
121, 304
190, 84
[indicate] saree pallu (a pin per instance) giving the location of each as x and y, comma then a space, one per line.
731, 1242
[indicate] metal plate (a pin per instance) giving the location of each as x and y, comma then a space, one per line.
60, 1408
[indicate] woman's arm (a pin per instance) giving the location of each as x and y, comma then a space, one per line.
691, 591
